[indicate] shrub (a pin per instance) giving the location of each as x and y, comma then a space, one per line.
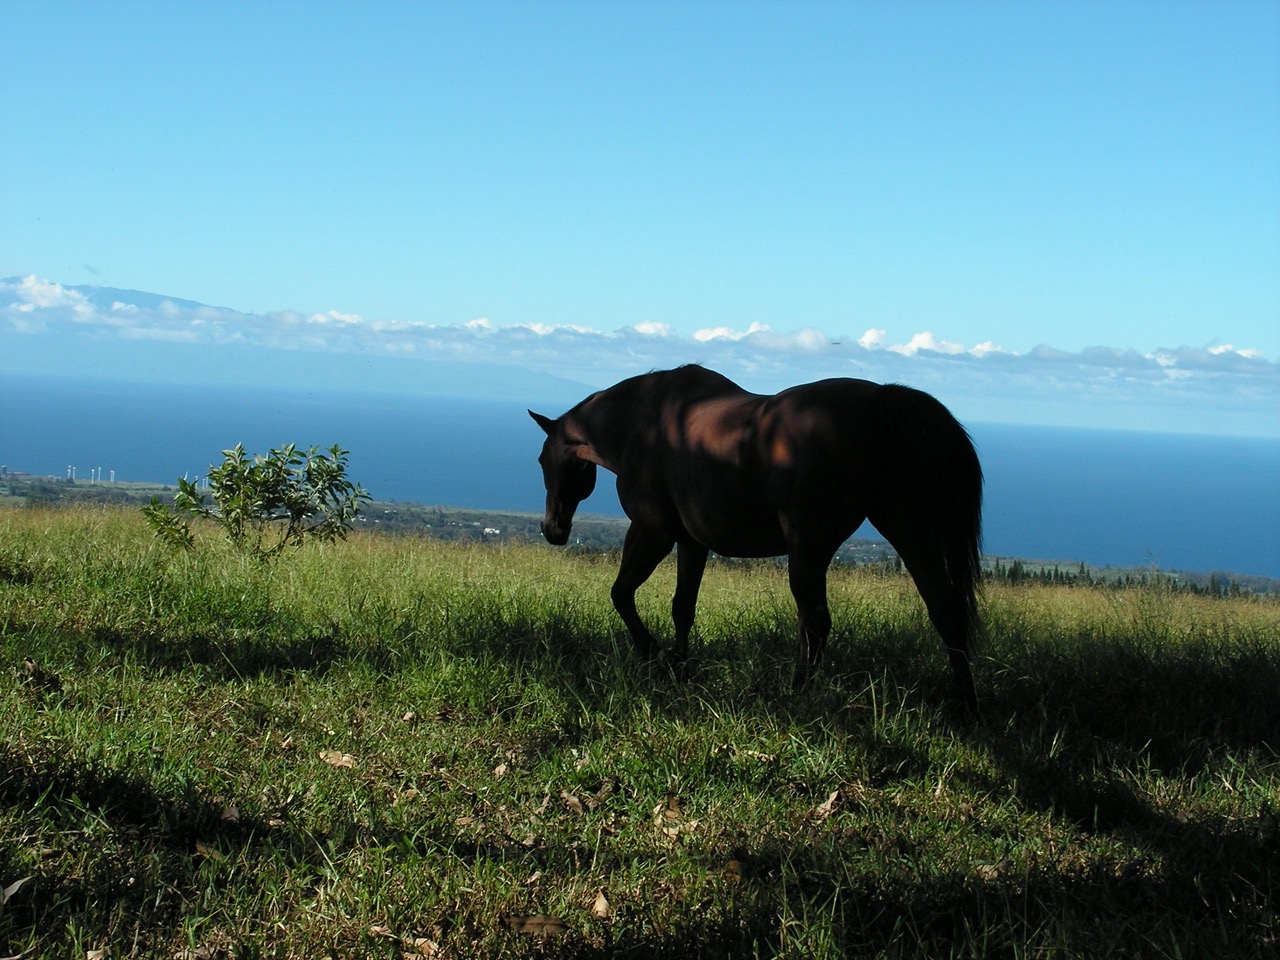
266, 503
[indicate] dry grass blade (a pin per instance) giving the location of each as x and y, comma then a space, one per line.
6, 893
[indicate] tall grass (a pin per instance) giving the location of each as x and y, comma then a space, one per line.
391, 747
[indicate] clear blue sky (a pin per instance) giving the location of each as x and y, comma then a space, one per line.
1011, 173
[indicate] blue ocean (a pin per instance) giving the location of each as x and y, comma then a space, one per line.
1176, 502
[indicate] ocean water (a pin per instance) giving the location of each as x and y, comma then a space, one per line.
1103, 497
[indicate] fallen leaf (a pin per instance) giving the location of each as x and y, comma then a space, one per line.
669, 817
208, 852
410, 717
601, 909
98, 954
380, 930
230, 813
734, 754
827, 808
537, 925
40, 678
991, 872
500, 770
8, 892
668, 811
570, 801
424, 948
335, 758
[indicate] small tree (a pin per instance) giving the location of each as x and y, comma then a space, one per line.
266, 503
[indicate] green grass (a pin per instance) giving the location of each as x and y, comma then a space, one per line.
394, 746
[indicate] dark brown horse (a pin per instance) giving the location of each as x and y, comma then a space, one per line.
704, 465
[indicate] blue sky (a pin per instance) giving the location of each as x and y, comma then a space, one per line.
999, 191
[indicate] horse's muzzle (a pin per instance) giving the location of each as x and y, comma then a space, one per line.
555, 534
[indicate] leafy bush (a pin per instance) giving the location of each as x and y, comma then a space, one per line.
266, 503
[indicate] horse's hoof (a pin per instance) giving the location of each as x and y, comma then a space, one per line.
674, 664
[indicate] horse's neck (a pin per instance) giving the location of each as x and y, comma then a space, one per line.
613, 419
610, 420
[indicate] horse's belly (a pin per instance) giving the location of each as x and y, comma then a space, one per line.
745, 535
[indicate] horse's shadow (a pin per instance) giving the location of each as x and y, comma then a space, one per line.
1072, 736
1076, 740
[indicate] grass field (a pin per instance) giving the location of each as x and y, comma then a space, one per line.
398, 747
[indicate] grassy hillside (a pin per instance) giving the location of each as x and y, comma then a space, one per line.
396, 746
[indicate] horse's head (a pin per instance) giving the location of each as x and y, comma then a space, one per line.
569, 474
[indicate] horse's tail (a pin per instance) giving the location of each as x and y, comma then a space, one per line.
935, 474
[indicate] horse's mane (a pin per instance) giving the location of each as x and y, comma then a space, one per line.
691, 380
609, 415
695, 377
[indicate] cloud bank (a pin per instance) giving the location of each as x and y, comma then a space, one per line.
1218, 388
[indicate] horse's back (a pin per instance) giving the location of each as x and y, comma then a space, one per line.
847, 440
825, 419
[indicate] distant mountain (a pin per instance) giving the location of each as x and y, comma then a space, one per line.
104, 297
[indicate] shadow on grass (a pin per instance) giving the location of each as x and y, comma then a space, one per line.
119, 846
1066, 734
1072, 733
812, 899
234, 656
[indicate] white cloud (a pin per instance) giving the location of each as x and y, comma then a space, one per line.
807, 340
1239, 383
35, 293
873, 338
728, 333
985, 348
333, 316
547, 329
1228, 348
927, 341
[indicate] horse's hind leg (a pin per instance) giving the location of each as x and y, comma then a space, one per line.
947, 608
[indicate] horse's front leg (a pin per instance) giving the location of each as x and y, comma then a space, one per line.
641, 553
691, 562
808, 580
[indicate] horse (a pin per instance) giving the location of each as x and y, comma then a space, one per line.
704, 465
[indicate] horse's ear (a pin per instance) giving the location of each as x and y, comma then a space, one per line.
546, 423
